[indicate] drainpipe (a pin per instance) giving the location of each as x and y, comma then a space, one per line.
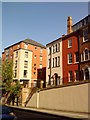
79, 54
37, 99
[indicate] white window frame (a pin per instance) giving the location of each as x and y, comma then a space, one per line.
53, 49
49, 50
75, 75
40, 58
26, 54
53, 63
70, 43
26, 45
88, 54
58, 60
35, 56
69, 59
40, 65
25, 64
75, 58
16, 54
58, 46
49, 63
41, 50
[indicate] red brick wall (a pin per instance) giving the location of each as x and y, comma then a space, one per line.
35, 52
65, 51
82, 47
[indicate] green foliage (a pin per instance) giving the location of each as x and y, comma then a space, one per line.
10, 86
7, 75
16, 89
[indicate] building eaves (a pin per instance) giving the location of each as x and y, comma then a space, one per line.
32, 42
69, 35
29, 41
54, 41
13, 45
81, 20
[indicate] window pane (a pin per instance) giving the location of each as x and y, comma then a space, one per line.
70, 58
85, 34
41, 58
25, 45
16, 54
35, 56
16, 64
70, 76
86, 54
49, 50
58, 60
25, 73
49, 63
40, 66
70, 43
25, 64
15, 74
35, 48
76, 75
41, 50
76, 57
26, 54
56, 47
53, 62
53, 49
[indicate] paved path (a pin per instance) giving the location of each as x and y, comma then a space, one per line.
24, 113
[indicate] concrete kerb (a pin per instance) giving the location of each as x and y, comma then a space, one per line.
81, 116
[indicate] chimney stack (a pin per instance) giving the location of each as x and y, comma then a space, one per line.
69, 25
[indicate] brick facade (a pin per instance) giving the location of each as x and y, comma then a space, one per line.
36, 51
65, 51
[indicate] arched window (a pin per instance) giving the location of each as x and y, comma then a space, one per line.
86, 74
86, 54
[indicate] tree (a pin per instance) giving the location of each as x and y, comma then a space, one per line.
7, 75
12, 88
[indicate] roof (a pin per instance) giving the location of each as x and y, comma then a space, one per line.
54, 41
29, 41
81, 20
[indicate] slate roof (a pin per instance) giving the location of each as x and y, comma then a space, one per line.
32, 42
29, 41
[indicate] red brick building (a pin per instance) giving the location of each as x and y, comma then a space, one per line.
38, 60
70, 57
76, 51
83, 28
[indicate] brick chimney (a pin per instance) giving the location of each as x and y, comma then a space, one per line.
69, 25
